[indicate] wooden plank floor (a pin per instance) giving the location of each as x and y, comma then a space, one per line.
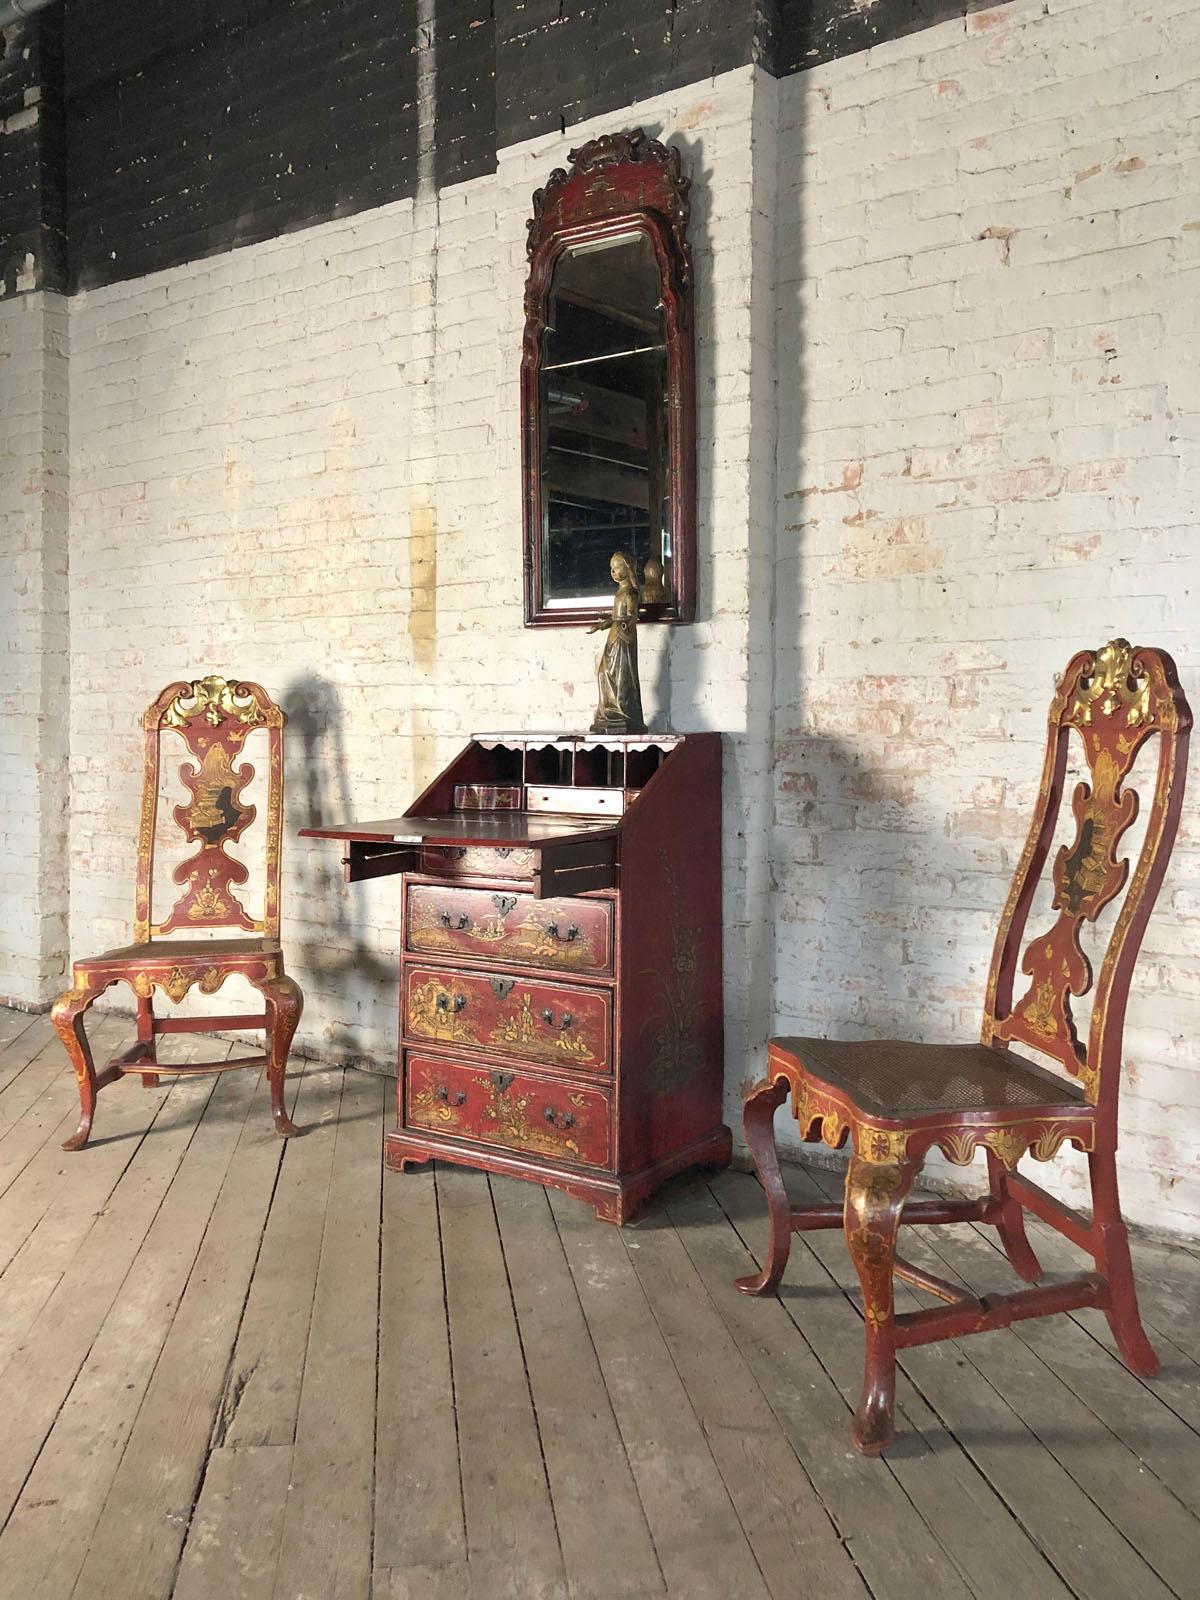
234, 1369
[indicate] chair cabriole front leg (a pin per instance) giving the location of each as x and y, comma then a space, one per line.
67, 1017
284, 1003
758, 1120
875, 1194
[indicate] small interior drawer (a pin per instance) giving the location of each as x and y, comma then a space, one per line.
557, 869
555, 798
480, 861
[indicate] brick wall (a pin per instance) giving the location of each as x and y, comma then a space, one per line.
34, 659
989, 456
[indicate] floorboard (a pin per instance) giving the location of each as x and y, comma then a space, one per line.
39, 1187
327, 1529
606, 1543
23, 1043
420, 1533
85, 1462
14, 1023
513, 1550
702, 1547
240, 1368
135, 1548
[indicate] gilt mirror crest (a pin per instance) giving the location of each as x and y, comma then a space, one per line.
608, 440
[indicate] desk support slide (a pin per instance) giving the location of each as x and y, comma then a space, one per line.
369, 860
575, 866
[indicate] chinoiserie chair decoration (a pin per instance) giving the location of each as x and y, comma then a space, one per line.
213, 717
897, 1100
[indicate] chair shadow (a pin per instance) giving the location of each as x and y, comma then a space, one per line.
341, 948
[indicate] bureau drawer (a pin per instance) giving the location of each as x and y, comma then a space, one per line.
548, 1023
563, 935
568, 1121
479, 861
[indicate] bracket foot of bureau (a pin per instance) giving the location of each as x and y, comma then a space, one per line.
614, 1199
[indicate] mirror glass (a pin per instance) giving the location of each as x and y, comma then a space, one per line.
604, 424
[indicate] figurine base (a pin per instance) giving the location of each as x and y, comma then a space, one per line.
616, 725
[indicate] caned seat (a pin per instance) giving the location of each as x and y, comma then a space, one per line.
895, 1100
213, 717
894, 1078
227, 951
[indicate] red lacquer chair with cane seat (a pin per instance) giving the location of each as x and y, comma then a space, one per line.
213, 717
897, 1100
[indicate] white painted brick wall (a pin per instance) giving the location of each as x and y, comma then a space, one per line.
34, 658
989, 457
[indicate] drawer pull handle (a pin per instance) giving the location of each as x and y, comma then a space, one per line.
443, 1094
564, 1021
447, 921
566, 1120
572, 933
443, 1003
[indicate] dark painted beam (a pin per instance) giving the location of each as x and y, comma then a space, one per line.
33, 240
813, 31
194, 128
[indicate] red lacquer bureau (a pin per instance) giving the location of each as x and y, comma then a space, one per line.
560, 983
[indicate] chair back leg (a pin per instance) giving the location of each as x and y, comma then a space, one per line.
1009, 1222
875, 1195
1114, 1264
145, 1034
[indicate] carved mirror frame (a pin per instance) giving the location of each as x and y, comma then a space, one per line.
617, 185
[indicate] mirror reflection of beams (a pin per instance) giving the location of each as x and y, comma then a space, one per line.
605, 446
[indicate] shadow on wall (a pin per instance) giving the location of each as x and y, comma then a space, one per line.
700, 239
336, 942
882, 914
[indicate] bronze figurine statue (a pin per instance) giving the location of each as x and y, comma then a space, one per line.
620, 706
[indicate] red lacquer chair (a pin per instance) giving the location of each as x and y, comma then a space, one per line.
213, 717
897, 1100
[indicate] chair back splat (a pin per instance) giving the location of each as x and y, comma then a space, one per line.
213, 717
1116, 699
